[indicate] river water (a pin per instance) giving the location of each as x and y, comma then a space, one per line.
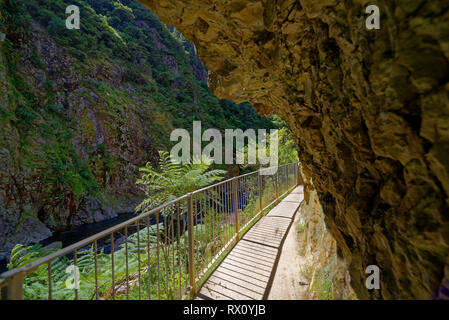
78, 233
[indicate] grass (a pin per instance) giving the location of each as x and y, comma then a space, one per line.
322, 285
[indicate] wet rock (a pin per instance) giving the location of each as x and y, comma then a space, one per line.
14, 230
54, 245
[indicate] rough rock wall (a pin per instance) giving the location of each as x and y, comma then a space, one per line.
369, 110
327, 274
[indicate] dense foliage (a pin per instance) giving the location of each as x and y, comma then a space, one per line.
157, 59
171, 180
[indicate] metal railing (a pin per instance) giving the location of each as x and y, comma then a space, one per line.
164, 253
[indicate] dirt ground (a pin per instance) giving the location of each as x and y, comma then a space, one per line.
288, 275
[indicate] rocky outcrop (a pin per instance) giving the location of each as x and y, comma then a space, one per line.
369, 110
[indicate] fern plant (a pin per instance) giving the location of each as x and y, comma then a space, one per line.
22, 255
171, 180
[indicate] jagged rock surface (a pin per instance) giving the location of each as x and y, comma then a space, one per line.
369, 110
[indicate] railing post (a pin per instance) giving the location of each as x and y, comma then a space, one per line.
14, 288
286, 179
260, 191
277, 185
296, 177
297, 173
236, 206
190, 223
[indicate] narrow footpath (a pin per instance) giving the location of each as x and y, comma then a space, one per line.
248, 271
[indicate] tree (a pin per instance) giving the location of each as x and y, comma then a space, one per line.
172, 180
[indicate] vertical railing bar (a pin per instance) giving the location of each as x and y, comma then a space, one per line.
219, 217
236, 206
49, 280
197, 232
259, 180
277, 185
112, 265
207, 228
75, 271
230, 207
186, 253
178, 240
149, 257
211, 221
241, 194
194, 233
226, 209
157, 253
213, 215
96, 269
13, 289
138, 259
225, 212
166, 254
126, 260
191, 246
200, 235
172, 241
206, 234
206, 259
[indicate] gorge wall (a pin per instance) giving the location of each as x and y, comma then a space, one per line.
82, 110
369, 110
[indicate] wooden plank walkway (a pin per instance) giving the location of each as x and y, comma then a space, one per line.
248, 270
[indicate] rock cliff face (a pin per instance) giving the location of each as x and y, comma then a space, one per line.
326, 273
77, 127
369, 110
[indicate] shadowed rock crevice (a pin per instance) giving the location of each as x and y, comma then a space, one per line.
369, 110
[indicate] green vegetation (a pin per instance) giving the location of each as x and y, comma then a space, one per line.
322, 285
155, 267
153, 264
151, 261
287, 152
123, 61
172, 180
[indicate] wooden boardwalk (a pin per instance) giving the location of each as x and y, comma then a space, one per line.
248, 270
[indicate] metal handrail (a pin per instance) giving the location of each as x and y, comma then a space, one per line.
12, 284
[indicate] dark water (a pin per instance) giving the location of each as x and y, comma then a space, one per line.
84, 231
79, 233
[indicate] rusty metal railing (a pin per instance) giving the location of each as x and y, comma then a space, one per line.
160, 254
